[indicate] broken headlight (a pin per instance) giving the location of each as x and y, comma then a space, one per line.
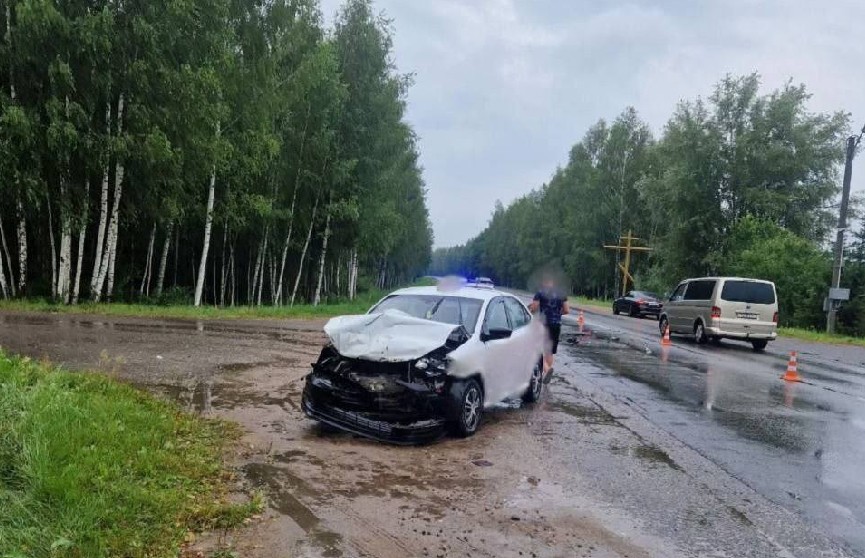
431, 366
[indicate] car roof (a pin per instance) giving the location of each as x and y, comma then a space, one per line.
727, 279
467, 291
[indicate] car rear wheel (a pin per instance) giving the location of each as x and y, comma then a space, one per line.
469, 406
759, 344
536, 384
700, 333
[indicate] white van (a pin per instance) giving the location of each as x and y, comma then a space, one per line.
723, 308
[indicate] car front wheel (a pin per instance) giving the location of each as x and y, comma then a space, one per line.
469, 406
536, 384
615, 309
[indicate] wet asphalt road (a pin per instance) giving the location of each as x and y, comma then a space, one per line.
801, 445
633, 451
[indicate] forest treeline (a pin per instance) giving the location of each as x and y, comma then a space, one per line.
741, 183
208, 151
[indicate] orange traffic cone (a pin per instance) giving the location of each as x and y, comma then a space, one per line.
666, 342
792, 374
582, 320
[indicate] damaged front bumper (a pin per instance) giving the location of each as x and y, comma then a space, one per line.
391, 402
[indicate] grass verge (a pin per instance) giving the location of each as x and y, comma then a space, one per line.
91, 468
358, 306
578, 301
820, 336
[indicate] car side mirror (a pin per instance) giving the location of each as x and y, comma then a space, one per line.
495, 333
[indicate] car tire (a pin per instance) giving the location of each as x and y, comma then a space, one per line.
615, 309
662, 325
700, 336
468, 407
536, 383
759, 344
634, 312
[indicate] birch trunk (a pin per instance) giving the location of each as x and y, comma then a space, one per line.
106, 267
352, 274
103, 213
251, 288
223, 273
277, 298
3, 282
63, 278
303, 253
232, 270
22, 250
208, 225
82, 232
163, 260
53, 249
109, 289
8, 259
145, 279
338, 269
317, 298
263, 267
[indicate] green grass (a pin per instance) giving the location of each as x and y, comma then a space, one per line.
820, 336
91, 468
577, 301
357, 306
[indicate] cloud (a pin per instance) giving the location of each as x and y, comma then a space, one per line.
504, 88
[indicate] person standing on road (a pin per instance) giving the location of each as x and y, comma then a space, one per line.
552, 305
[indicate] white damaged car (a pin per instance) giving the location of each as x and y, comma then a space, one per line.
425, 360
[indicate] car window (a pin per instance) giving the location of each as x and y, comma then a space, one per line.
677, 294
497, 317
751, 292
700, 290
446, 309
518, 314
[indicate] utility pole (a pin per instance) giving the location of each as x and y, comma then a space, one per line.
627, 248
834, 295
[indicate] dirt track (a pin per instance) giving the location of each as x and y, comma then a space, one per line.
577, 475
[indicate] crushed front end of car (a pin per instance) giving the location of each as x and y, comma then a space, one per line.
402, 402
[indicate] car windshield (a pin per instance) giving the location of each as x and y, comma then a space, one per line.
750, 292
455, 310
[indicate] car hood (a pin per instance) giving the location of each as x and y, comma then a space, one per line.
389, 336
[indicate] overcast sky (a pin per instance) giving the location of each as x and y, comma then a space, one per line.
504, 88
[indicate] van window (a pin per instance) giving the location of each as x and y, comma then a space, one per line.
750, 292
677, 294
700, 290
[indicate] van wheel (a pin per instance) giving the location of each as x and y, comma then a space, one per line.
662, 325
759, 344
700, 333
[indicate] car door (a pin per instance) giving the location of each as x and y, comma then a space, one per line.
526, 347
498, 370
674, 306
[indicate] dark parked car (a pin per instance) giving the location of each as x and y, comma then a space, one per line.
638, 304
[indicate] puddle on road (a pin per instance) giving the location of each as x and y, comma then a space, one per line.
593, 415
205, 396
654, 454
